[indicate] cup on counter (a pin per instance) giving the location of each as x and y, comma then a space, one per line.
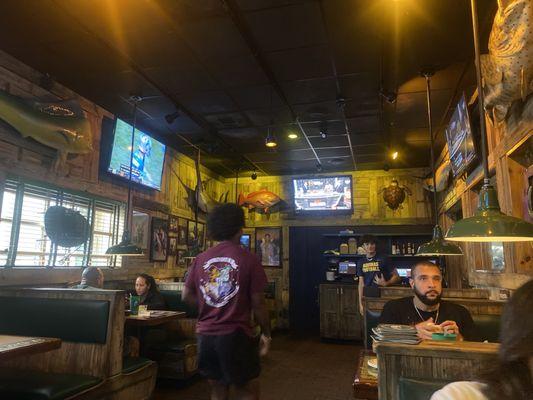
134, 304
330, 275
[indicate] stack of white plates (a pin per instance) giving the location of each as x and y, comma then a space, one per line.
405, 334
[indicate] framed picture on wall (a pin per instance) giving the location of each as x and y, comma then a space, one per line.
173, 223
159, 247
140, 229
172, 246
268, 246
182, 231
195, 235
180, 258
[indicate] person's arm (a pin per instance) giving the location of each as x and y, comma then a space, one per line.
258, 281
394, 277
188, 294
361, 288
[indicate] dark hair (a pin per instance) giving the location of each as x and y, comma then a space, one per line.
149, 279
368, 239
225, 221
423, 263
511, 379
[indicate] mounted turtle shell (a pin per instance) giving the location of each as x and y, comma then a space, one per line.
66, 227
394, 194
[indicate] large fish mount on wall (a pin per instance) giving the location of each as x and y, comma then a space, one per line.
261, 200
198, 199
508, 68
60, 125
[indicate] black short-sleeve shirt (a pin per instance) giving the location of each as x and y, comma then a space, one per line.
402, 311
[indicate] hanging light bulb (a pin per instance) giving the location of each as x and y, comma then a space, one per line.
437, 246
292, 135
394, 155
270, 140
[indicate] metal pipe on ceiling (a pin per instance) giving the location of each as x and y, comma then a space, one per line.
236, 16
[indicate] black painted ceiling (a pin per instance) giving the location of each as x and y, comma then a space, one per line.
235, 68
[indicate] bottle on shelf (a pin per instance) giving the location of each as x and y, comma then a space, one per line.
393, 251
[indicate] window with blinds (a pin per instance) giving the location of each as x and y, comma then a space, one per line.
23, 240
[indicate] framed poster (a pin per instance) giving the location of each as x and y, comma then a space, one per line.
140, 229
268, 246
182, 231
180, 258
194, 237
172, 246
159, 247
173, 223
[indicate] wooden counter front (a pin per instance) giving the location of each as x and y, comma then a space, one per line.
429, 360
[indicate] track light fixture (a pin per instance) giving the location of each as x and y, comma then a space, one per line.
324, 130
270, 140
170, 118
319, 167
254, 175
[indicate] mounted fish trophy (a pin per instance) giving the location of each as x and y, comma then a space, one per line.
60, 125
508, 68
262, 200
66, 227
198, 199
394, 194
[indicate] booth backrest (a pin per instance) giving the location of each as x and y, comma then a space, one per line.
175, 303
419, 389
89, 322
372, 320
81, 321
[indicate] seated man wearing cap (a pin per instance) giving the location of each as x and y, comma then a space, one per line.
425, 310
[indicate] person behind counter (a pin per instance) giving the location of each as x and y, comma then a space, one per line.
373, 270
425, 310
146, 288
512, 376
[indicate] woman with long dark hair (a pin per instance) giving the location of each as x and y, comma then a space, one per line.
146, 288
512, 378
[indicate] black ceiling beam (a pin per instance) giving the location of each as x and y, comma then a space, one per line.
236, 16
204, 124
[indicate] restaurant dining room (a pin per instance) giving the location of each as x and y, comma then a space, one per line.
266, 199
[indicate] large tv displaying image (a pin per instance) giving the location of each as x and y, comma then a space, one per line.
148, 156
329, 193
460, 139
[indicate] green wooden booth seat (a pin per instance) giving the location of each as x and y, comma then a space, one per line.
175, 303
78, 321
37, 385
417, 389
132, 364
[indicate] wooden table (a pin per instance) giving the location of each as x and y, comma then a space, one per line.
365, 385
15, 346
156, 317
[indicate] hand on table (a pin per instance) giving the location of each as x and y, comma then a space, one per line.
426, 328
451, 327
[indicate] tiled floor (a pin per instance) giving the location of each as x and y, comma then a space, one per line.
295, 369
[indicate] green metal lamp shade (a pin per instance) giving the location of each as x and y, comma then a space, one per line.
489, 224
438, 246
125, 247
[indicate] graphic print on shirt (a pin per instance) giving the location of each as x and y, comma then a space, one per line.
371, 266
219, 282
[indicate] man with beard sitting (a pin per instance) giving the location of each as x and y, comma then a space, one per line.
425, 310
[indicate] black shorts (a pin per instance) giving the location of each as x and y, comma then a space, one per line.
232, 359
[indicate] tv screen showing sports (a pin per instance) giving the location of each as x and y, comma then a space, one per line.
148, 156
460, 139
329, 193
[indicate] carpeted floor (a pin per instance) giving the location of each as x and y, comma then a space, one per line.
295, 369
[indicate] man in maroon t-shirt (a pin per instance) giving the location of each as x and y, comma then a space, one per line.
227, 284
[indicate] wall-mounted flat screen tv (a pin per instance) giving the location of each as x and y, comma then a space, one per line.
148, 156
323, 194
460, 139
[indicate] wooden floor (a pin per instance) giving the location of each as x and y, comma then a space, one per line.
295, 369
